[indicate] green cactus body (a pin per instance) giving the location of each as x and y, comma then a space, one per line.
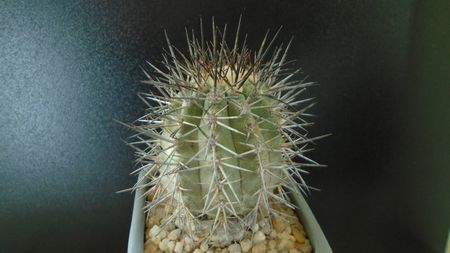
223, 139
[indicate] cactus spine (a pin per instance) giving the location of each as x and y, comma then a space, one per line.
221, 139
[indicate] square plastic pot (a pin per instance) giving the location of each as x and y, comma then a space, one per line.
314, 232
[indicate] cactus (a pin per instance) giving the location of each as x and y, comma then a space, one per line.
223, 137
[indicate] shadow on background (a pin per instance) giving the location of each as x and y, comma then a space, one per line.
69, 68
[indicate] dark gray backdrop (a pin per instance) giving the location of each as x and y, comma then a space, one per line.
68, 68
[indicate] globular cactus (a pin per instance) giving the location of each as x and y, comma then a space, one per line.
223, 138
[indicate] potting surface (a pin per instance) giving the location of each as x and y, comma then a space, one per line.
282, 234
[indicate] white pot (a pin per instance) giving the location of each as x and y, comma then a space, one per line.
313, 230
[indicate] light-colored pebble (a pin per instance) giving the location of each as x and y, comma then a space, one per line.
288, 230
299, 237
188, 244
156, 241
259, 237
279, 224
259, 248
178, 247
153, 220
151, 248
305, 247
161, 235
272, 244
197, 251
170, 245
154, 231
246, 245
173, 235
285, 245
159, 212
234, 248
286, 235
163, 244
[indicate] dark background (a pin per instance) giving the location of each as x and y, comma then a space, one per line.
68, 68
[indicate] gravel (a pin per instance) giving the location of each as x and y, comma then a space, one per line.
285, 235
